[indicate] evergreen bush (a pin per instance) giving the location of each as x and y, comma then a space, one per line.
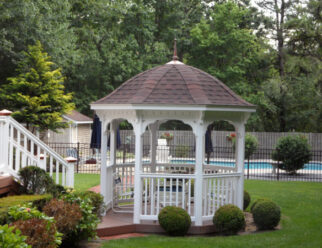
229, 219
174, 220
255, 202
266, 214
34, 180
293, 152
246, 199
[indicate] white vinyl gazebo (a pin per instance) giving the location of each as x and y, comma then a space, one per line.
173, 91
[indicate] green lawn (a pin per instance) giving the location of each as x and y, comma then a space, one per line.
86, 181
301, 205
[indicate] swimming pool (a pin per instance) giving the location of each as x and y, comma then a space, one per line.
252, 165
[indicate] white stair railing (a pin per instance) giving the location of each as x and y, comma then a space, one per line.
20, 148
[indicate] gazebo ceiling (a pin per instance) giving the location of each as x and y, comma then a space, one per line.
174, 84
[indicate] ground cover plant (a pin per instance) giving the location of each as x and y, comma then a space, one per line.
37, 201
300, 204
11, 238
40, 230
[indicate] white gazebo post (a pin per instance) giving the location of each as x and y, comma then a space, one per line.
153, 145
138, 130
104, 162
112, 162
199, 131
240, 153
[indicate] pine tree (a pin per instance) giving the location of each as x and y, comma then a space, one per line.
37, 95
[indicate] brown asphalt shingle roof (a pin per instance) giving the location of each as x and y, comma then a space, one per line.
174, 84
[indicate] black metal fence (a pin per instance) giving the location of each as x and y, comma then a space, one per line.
259, 166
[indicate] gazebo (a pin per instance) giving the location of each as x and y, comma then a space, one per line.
173, 91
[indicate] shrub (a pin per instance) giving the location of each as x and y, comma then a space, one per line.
86, 227
10, 238
255, 202
67, 215
293, 152
34, 180
39, 233
246, 199
174, 220
182, 151
229, 219
56, 190
251, 144
97, 202
37, 201
266, 214
26, 212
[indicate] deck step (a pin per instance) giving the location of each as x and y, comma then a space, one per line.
8, 185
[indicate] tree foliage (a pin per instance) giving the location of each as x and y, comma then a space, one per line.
292, 152
37, 95
269, 53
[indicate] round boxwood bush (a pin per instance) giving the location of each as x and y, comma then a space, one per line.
174, 220
292, 152
34, 180
229, 219
266, 214
255, 202
246, 199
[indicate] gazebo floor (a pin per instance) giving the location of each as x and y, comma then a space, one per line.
121, 223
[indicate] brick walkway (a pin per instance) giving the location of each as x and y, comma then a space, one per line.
124, 236
95, 189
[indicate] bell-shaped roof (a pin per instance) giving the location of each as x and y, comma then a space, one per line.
174, 84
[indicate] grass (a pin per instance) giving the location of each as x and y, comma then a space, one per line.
300, 203
86, 181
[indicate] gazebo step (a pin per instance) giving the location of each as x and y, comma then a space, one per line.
150, 228
122, 223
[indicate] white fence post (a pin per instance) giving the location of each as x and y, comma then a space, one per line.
70, 171
4, 134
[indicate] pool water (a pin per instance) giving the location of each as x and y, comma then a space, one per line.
252, 165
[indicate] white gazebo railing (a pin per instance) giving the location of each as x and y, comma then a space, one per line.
161, 190
218, 190
173, 185
20, 148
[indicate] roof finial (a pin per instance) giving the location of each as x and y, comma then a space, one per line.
175, 57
